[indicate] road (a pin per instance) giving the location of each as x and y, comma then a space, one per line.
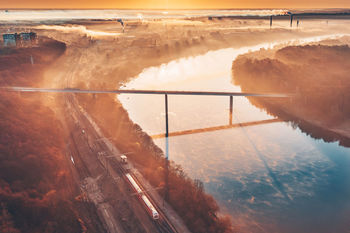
103, 181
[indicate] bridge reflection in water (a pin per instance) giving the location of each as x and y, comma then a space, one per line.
215, 128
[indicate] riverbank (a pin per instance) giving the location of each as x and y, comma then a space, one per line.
320, 101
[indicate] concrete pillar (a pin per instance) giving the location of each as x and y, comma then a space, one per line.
166, 116
231, 109
270, 21
166, 170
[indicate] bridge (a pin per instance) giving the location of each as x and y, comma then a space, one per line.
166, 93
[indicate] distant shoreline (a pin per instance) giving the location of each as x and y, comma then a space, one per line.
69, 15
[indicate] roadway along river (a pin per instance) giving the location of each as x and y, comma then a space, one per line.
269, 176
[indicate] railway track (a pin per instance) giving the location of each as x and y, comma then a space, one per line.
89, 172
74, 153
84, 149
163, 225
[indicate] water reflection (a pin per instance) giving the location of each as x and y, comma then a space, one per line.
269, 177
215, 128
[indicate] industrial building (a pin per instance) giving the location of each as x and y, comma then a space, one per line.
23, 39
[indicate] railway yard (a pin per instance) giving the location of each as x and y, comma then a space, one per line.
105, 180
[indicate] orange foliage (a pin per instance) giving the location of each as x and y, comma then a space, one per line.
32, 171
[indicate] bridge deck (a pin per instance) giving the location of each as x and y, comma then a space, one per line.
152, 92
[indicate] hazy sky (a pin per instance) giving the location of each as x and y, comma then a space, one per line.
174, 3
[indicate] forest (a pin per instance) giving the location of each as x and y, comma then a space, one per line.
35, 188
316, 78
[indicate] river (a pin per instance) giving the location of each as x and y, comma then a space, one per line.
268, 175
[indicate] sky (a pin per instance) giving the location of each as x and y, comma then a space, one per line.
179, 4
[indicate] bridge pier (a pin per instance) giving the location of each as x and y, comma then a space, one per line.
231, 109
166, 117
166, 170
270, 21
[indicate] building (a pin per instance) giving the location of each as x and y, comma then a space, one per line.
23, 39
10, 39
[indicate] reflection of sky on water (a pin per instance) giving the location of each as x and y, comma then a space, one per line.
271, 177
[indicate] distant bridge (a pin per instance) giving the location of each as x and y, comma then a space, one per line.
165, 93
155, 92
152, 92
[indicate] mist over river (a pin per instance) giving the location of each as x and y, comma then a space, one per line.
268, 175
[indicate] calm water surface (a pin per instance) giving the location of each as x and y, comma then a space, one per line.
269, 176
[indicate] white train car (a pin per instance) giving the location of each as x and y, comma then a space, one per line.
134, 184
149, 206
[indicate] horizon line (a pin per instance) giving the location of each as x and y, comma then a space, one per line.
171, 9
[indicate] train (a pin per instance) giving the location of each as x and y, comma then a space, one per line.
144, 199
